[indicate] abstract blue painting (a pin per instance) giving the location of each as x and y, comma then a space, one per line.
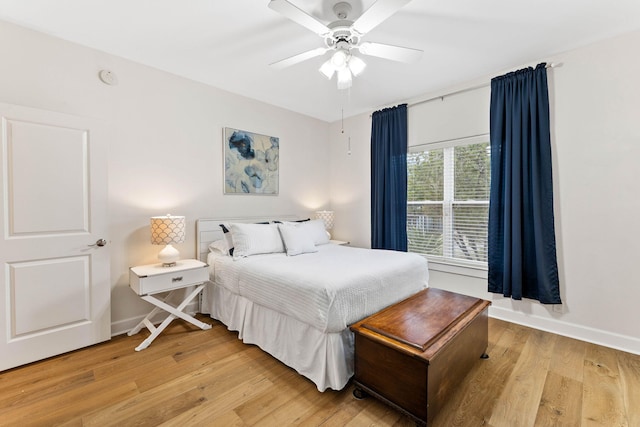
251, 162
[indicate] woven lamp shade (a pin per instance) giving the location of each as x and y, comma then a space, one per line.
166, 230
327, 217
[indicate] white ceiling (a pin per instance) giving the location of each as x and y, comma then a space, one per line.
229, 43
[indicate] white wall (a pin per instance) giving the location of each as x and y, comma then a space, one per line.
166, 133
165, 152
595, 109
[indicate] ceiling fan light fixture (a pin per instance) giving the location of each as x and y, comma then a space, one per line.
327, 69
356, 65
344, 78
339, 58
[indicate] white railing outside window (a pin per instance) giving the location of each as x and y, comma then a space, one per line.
448, 201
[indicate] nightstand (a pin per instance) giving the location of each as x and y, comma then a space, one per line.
147, 280
339, 242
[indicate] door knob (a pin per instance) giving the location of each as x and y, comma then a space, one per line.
99, 242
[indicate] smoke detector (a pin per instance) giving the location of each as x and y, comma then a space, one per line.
108, 77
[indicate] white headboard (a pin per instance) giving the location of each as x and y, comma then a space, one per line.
208, 230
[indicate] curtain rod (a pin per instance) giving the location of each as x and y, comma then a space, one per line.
441, 97
469, 89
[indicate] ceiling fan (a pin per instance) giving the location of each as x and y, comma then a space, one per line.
344, 35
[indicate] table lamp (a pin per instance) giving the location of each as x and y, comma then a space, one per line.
327, 217
166, 230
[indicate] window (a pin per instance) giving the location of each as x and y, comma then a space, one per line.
448, 201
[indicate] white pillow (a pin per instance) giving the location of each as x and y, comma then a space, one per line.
315, 229
254, 239
219, 247
226, 229
296, 239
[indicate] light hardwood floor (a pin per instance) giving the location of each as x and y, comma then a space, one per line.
189, 377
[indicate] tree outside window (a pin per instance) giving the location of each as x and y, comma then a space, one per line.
448, 201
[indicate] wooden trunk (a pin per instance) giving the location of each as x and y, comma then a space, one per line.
413, 354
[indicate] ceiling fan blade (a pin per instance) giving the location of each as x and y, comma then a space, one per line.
378, 12
299, 16
394, 53
295, 59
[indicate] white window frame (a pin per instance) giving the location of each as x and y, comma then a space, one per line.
444, 263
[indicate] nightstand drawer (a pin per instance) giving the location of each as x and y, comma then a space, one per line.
150, 280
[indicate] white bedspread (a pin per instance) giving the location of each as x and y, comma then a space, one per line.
329, 289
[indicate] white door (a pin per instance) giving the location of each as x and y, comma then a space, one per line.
54, 286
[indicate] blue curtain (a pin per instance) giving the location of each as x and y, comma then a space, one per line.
389, 178
522, 247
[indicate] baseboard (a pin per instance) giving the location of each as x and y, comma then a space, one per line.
583, 333
123, 326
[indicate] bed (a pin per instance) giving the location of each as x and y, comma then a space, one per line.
299, 308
